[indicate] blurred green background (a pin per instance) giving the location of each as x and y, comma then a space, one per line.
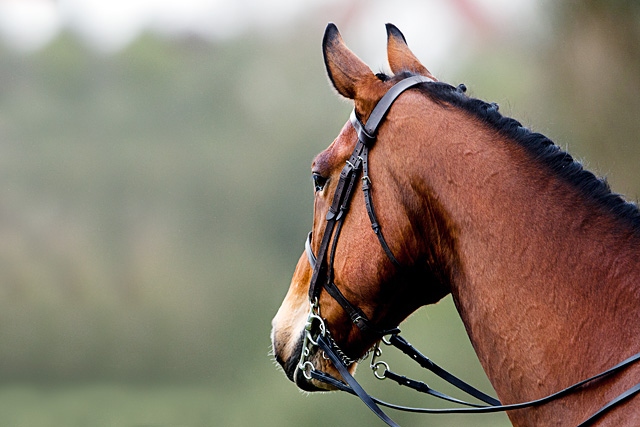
154, 201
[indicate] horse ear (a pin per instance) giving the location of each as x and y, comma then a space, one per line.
349, 75
400, 56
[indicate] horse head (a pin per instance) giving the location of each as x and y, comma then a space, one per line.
539, 255
382, 284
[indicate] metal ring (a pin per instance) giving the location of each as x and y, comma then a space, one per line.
375, 370
306, 368
312, 317
311, 340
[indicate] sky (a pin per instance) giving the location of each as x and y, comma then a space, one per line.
109, 26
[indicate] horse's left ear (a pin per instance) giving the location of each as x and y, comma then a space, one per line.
400, 56
351, 77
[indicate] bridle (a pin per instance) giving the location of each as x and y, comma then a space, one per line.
317, 336
358, 162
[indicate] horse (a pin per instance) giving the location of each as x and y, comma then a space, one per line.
539, 255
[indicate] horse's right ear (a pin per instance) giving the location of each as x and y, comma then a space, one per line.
400, 56
348, 74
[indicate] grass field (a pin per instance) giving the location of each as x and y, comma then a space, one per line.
120, 405
107, 405
251, 392
113, 405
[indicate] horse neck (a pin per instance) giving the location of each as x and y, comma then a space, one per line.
548, 288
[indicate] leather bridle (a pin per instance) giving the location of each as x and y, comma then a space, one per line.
317, 336
358, 162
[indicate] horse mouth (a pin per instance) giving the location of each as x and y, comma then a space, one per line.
305, 384
294, 373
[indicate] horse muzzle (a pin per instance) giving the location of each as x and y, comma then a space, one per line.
298, 357
291, 365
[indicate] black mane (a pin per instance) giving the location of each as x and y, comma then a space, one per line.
539, 147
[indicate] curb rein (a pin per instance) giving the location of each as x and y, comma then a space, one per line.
318, 338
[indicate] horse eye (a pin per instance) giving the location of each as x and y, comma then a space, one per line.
318, 181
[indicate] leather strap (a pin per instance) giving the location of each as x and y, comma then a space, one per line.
404, 346
475, 409
335, 216
328, 350
324, 345
618, 400
382, 108
323, 272
424, 388
368, 202
355, 314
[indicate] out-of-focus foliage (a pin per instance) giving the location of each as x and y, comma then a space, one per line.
147, 203
153, 204
592, 69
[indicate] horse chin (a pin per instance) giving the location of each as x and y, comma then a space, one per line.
296, 375
287, 352
305, 384
312, 385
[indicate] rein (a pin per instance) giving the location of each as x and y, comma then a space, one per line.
317, 337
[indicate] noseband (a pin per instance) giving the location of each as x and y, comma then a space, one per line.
317, 336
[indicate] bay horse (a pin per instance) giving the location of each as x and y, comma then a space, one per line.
540, 256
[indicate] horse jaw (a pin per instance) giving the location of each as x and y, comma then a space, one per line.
287, 333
